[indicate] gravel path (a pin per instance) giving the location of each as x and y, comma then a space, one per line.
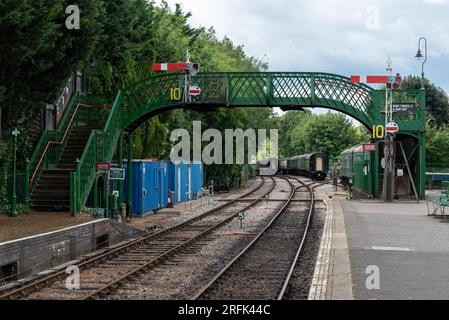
34, 223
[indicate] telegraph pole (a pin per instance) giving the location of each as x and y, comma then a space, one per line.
388, 182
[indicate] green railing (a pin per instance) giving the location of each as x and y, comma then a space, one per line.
289, 89
52, 143
437, 167
255, 89
238, 89
436, 172
50, 146
99, 148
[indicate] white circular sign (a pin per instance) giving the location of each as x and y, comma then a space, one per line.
194, 91
392, 127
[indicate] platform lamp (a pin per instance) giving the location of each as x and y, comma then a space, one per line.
87, 77
420, 57
13, 213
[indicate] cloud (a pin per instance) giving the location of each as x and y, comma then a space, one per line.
344, 37
436, 1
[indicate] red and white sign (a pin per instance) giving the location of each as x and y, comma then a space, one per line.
103, 166
392, 127
369, 147
169, 66
370, 79
394, 80
194, 90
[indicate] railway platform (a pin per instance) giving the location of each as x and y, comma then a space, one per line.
396, 251
332, 277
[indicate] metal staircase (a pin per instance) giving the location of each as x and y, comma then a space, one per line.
56, 155
52, 191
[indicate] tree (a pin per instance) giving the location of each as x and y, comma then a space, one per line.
115, 46
330, 133
437, 103
37, 55
38, 52
437, 145
291, 126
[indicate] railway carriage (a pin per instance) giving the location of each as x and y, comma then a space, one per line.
355, 168
292, 165
283, 166
314, 165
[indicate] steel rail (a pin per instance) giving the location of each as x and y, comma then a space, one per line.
304, 236
112, 285
39, 283
251, 244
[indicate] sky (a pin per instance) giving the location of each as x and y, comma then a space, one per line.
350, 37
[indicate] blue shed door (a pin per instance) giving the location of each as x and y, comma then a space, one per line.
161, 185
157, 186
179, 182
164, 184
189, 183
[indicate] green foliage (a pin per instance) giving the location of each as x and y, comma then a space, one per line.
20, 208
303, 132
437, 103
116, 44
37, 54
291, 126
170, 38
437, 145
437, 113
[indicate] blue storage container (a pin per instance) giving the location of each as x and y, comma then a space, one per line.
153, 180
174, 180
150, 185
185, 179
196, 177
183, 187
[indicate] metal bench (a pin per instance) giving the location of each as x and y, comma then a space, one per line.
441, 203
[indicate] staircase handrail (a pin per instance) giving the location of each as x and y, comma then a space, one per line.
99, 148
40, 158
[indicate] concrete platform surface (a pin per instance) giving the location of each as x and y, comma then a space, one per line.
332, 275
396, 250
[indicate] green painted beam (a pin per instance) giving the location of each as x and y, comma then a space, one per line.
245, 89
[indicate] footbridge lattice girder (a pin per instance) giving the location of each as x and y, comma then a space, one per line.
145, 98
254, 89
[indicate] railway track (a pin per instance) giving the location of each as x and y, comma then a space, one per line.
105, 272
263, 269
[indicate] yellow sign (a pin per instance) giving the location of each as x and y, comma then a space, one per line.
175, 94
378, 131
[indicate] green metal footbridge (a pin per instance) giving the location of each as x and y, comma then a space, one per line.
62, 170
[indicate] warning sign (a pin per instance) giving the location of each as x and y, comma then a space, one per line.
392, 127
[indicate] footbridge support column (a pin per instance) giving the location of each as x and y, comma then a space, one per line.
422, 166
129, 176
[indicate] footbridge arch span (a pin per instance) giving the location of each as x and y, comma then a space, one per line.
290, 90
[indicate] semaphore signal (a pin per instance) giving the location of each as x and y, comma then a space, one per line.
191, 68
394, 81
181, 66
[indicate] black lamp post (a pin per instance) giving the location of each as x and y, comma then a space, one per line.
420, 57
